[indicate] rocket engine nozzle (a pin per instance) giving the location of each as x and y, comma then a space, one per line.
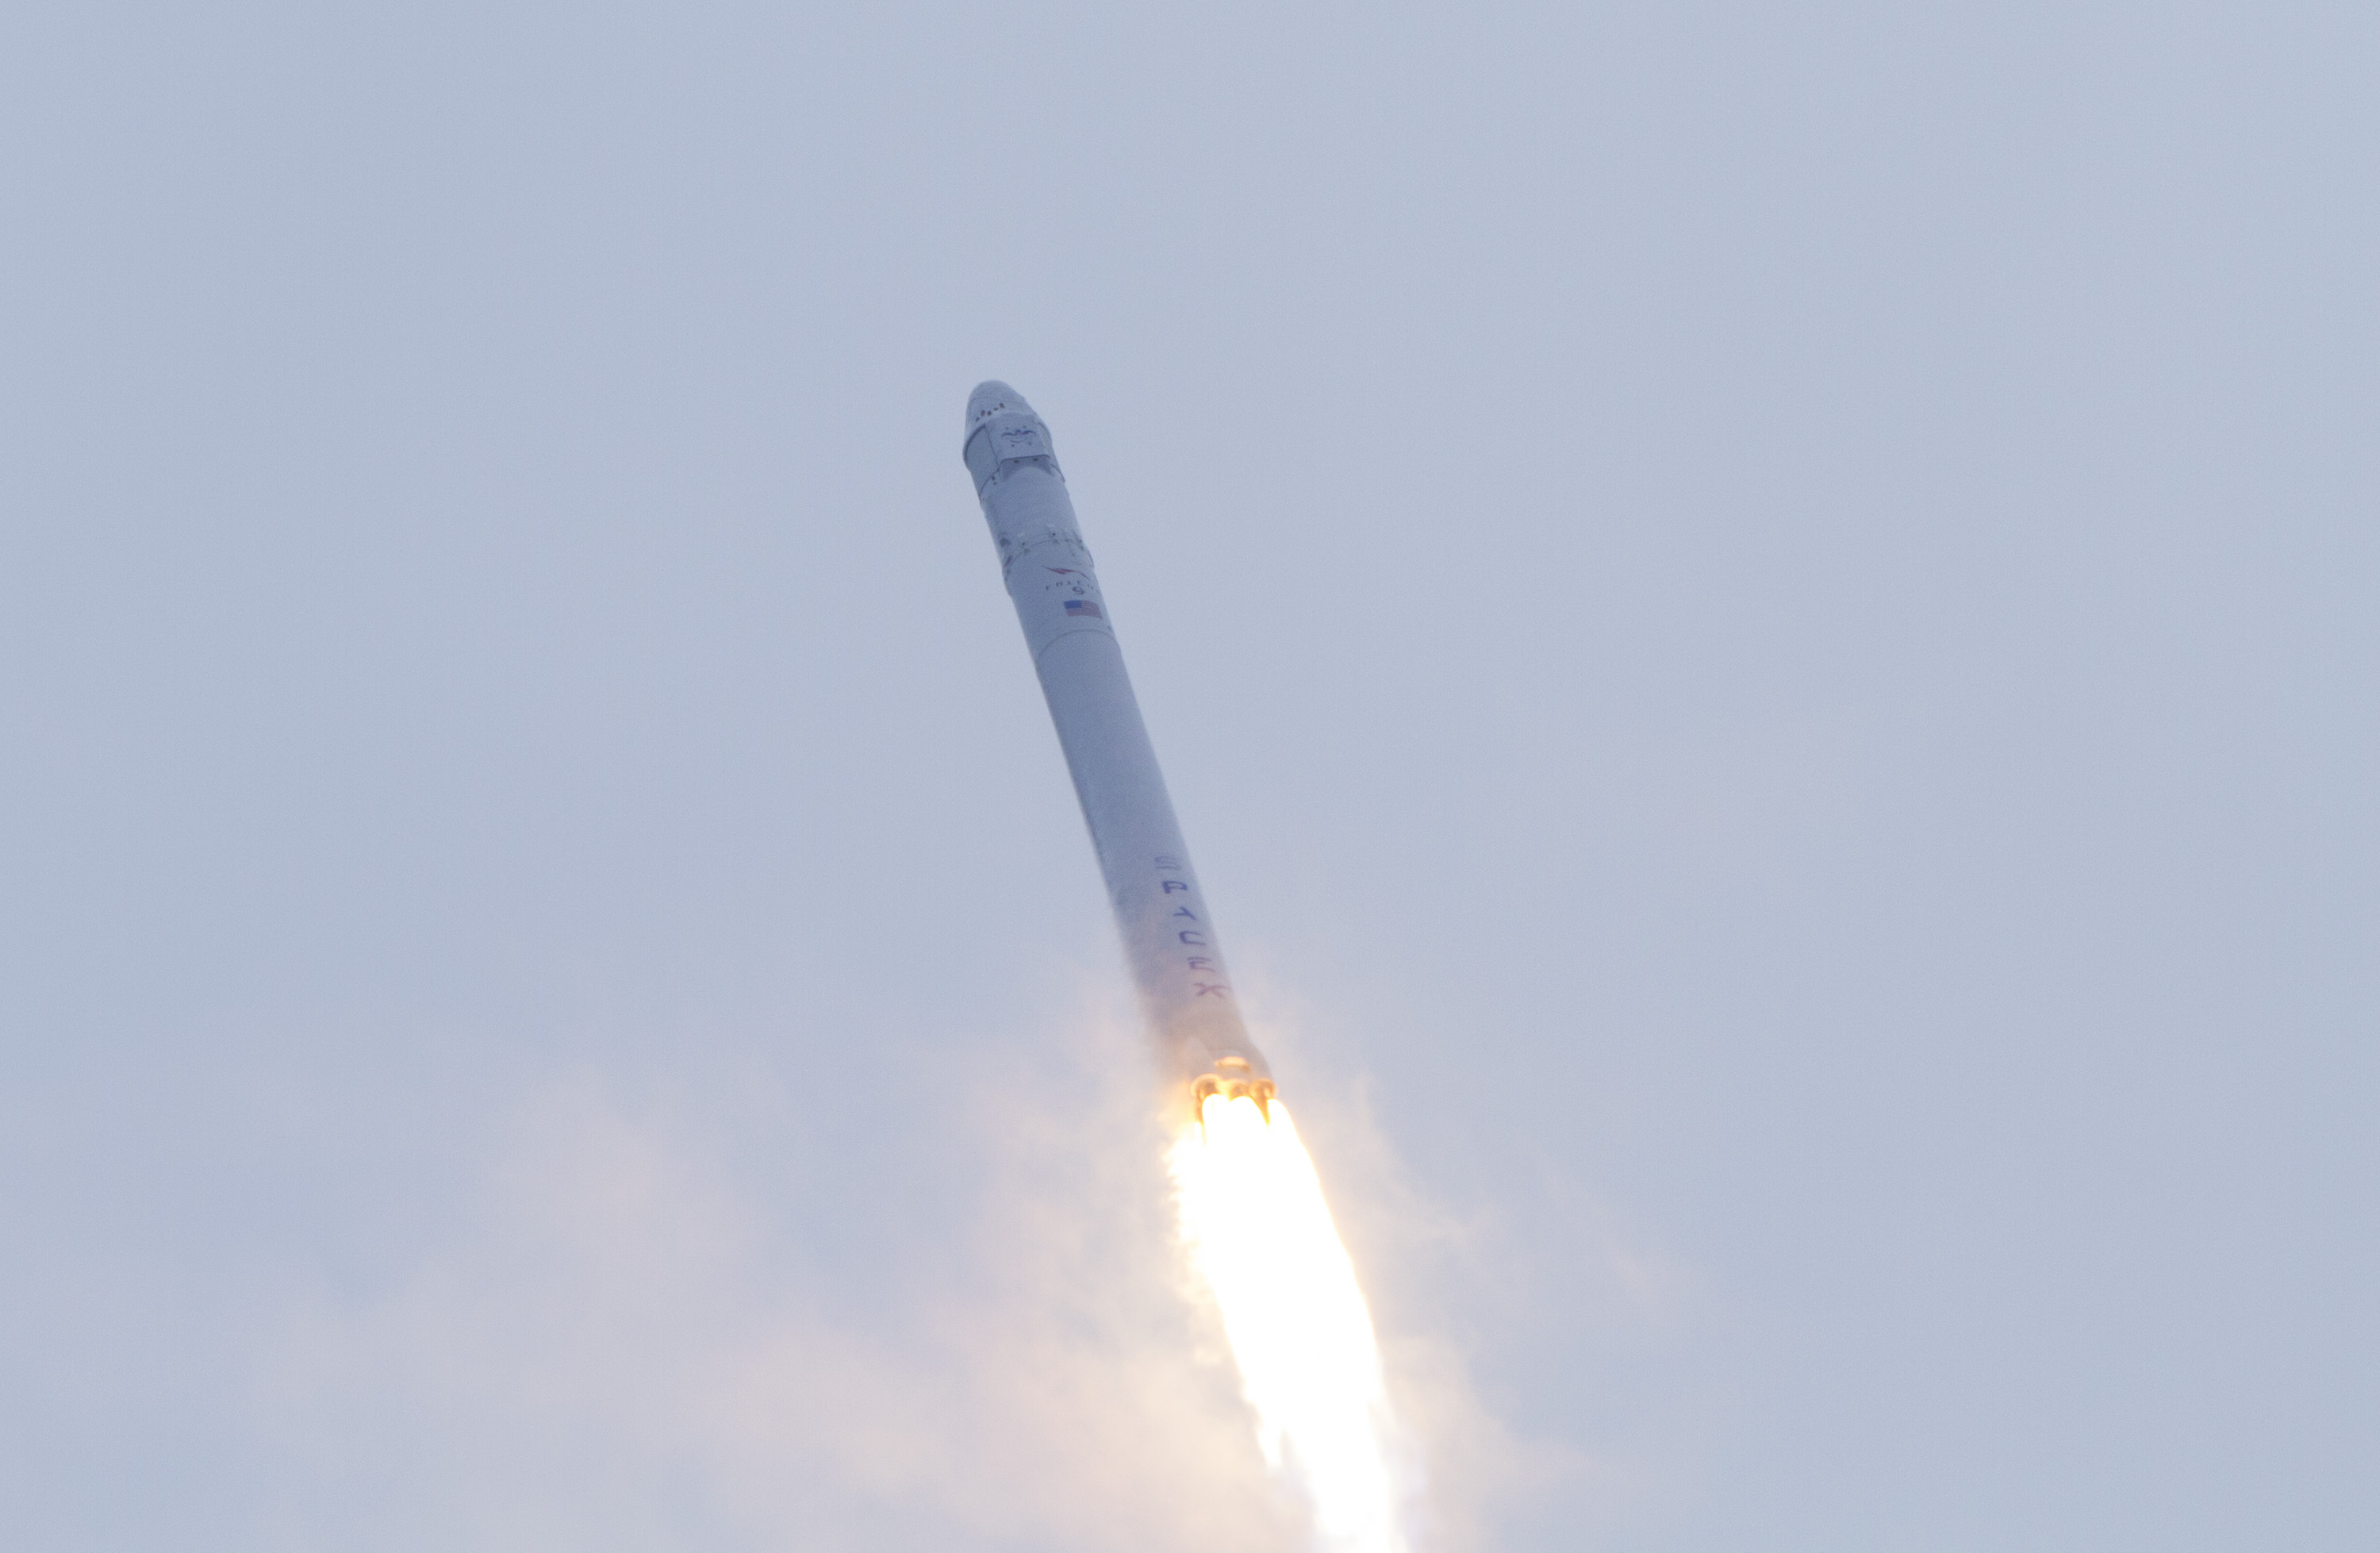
1231, 1077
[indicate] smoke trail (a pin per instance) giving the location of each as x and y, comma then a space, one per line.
1259, 1233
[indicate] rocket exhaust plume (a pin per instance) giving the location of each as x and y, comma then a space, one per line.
1254, 1221
1260, 1236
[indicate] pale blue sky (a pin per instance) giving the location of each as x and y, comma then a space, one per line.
1760, 617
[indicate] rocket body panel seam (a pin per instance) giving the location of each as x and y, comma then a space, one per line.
1042, 651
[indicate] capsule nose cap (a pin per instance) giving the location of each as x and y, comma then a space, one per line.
991, 398
1002, 429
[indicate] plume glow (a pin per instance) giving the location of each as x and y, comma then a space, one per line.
1259, 1233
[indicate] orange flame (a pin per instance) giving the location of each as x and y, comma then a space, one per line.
1259, 1233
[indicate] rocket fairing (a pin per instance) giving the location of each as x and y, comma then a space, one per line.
1169, 935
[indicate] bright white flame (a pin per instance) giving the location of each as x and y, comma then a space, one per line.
1260, 1233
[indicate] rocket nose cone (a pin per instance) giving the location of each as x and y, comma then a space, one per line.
991, 398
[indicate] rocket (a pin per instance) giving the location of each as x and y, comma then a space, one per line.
1169, 934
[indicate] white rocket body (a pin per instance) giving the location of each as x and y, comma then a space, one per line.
1169, 934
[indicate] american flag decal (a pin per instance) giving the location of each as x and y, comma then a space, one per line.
1084, 607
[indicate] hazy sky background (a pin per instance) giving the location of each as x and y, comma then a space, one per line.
1761, 619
